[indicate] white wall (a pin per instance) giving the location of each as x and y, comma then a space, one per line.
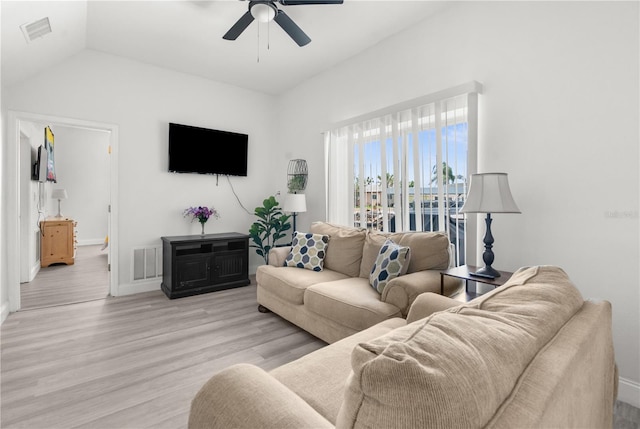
32, 193
141, 100
82, 169
4, 186
559, 113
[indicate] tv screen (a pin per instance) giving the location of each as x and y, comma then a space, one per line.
207, 151
51, 166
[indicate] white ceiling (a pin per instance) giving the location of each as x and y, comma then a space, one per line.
186, 36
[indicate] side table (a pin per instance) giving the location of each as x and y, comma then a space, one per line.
464, 272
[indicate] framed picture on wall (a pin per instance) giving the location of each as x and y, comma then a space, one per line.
49, 144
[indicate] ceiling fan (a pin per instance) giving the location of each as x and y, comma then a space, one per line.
266, 10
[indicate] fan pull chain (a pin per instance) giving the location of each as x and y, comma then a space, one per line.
268, 39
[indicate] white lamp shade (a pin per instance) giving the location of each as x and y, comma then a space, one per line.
59, 194
295, 203
263, 12
489, 193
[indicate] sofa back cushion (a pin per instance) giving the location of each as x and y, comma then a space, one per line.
344, 255
429, 250
455, 368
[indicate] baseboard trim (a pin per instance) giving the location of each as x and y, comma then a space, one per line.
34, 270
91, 242
139, 287
629, 391
4, 312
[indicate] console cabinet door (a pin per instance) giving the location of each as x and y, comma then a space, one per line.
229, 266
192, 271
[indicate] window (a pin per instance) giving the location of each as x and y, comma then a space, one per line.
405, 168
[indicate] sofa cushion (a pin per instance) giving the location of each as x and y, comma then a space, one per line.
429, 250
456, 367
392, 262
307, 251
345, 253
319, 376
350, 302
290, 283
373, 241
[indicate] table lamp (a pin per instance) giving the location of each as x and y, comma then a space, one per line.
489, 193
59, 194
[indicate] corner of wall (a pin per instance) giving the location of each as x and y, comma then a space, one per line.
629, 392
4, 288
4, 312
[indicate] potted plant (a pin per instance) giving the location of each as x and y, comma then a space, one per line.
297, 183
270, 227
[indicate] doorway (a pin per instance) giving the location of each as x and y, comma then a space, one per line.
96, 251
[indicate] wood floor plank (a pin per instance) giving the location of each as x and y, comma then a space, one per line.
87, 279
133, 361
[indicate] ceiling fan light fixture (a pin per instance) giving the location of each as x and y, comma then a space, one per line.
263, 11
266, 11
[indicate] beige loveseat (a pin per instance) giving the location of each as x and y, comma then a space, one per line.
529, 354
339, 300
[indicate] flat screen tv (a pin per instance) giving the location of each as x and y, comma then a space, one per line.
40, 166
44, 166
207, 151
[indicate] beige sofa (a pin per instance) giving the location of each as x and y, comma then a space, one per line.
529, 354
339, 300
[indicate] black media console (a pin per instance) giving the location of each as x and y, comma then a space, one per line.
194, 264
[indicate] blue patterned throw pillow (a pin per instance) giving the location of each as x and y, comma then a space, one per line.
307, 251
392, 261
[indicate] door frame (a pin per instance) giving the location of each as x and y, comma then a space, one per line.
13, 197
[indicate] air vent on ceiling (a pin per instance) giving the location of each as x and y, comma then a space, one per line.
36, 29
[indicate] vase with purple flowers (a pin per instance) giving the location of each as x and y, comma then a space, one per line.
201, 214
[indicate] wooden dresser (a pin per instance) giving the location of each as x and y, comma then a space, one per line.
57, 241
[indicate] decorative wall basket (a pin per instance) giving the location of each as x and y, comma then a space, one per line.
297, 175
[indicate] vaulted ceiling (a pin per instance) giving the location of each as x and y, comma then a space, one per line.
186, 36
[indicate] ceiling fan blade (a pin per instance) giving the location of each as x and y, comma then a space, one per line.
291, 28
301, 2
239, 26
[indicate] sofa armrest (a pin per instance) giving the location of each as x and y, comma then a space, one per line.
403, 290
277, 255
428, 303
245, 396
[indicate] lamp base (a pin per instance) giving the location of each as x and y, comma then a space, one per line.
486, 272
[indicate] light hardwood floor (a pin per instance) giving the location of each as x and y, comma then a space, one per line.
87, 279
134, 361
137, 361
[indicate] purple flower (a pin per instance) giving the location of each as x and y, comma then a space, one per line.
202, 214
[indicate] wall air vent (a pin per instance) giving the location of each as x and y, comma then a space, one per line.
36, 29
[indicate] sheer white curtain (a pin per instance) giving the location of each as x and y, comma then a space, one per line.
405, 168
